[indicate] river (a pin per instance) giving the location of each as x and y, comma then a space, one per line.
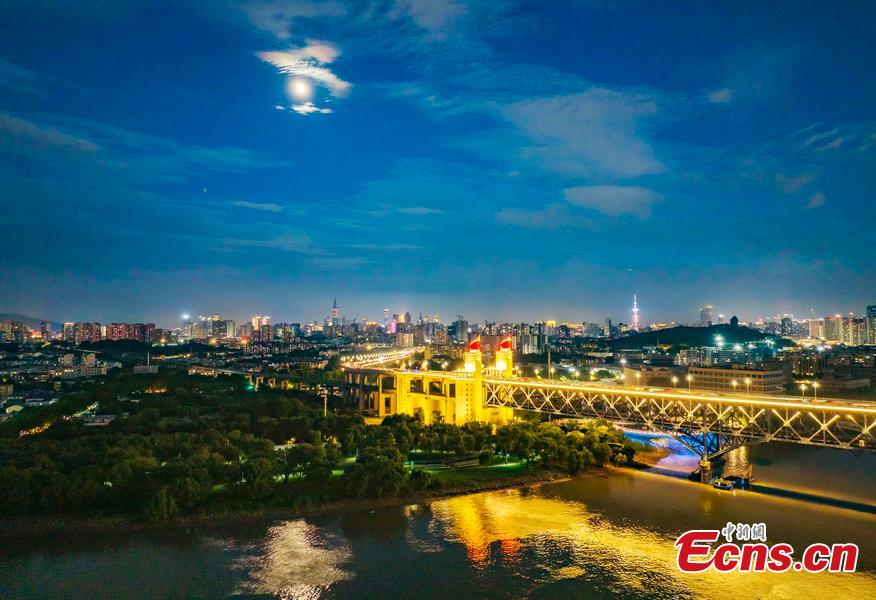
604, 535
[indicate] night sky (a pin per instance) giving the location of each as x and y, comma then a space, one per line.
505, 160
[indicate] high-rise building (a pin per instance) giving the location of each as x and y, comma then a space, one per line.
706, 316
46, 331
853, 331
832, 328
200, 330
870, 324
870, 334
13, 331
216, 326
85, 332
816, 328
606, 328
460, 329
246, 330
787, 326
336, 313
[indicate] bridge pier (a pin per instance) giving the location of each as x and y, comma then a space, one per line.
705, 470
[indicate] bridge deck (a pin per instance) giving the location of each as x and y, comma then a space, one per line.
825, 403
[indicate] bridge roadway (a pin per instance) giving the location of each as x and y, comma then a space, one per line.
710, 423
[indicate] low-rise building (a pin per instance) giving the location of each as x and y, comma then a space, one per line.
738, 379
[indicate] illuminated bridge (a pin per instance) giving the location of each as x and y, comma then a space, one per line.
708, 423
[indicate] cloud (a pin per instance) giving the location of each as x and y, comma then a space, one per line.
816, 200
278, 16
309, 108
551, 217
15, 77
613, 200
722, 96
23, 135
791, 185
310, 62
596, 132
334, 263
287, 242
266, 207
385, 247
420, 210
431, 15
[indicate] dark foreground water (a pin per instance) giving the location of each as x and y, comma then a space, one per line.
600, 536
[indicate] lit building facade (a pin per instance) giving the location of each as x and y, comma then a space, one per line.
754, 381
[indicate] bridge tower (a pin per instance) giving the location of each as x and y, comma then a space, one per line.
474, 359
505, 358
474, 394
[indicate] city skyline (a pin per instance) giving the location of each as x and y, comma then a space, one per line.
511, 161
335, 315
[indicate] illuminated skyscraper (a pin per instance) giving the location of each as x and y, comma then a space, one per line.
635, 324
336, 313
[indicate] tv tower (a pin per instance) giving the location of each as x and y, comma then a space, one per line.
635, 325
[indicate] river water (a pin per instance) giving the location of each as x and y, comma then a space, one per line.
603, 535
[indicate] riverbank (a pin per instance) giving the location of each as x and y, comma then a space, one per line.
16, 528
649, 456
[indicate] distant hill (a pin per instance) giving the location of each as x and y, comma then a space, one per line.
31, 322
691, 336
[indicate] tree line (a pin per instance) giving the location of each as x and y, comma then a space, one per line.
182, 444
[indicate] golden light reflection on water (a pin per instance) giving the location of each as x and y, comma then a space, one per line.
634, 557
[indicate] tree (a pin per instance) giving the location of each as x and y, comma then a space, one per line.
379, 472
258, 476
161, 507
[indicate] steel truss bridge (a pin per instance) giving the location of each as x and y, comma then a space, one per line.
710, 425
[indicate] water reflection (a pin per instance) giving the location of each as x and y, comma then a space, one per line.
550, 539
819, 472
298, 561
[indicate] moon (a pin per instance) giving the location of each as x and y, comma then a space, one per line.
300, 89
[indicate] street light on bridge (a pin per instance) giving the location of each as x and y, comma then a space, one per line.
748, 386
734, 383
674, 381
689, 379
803, 390
815, 390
